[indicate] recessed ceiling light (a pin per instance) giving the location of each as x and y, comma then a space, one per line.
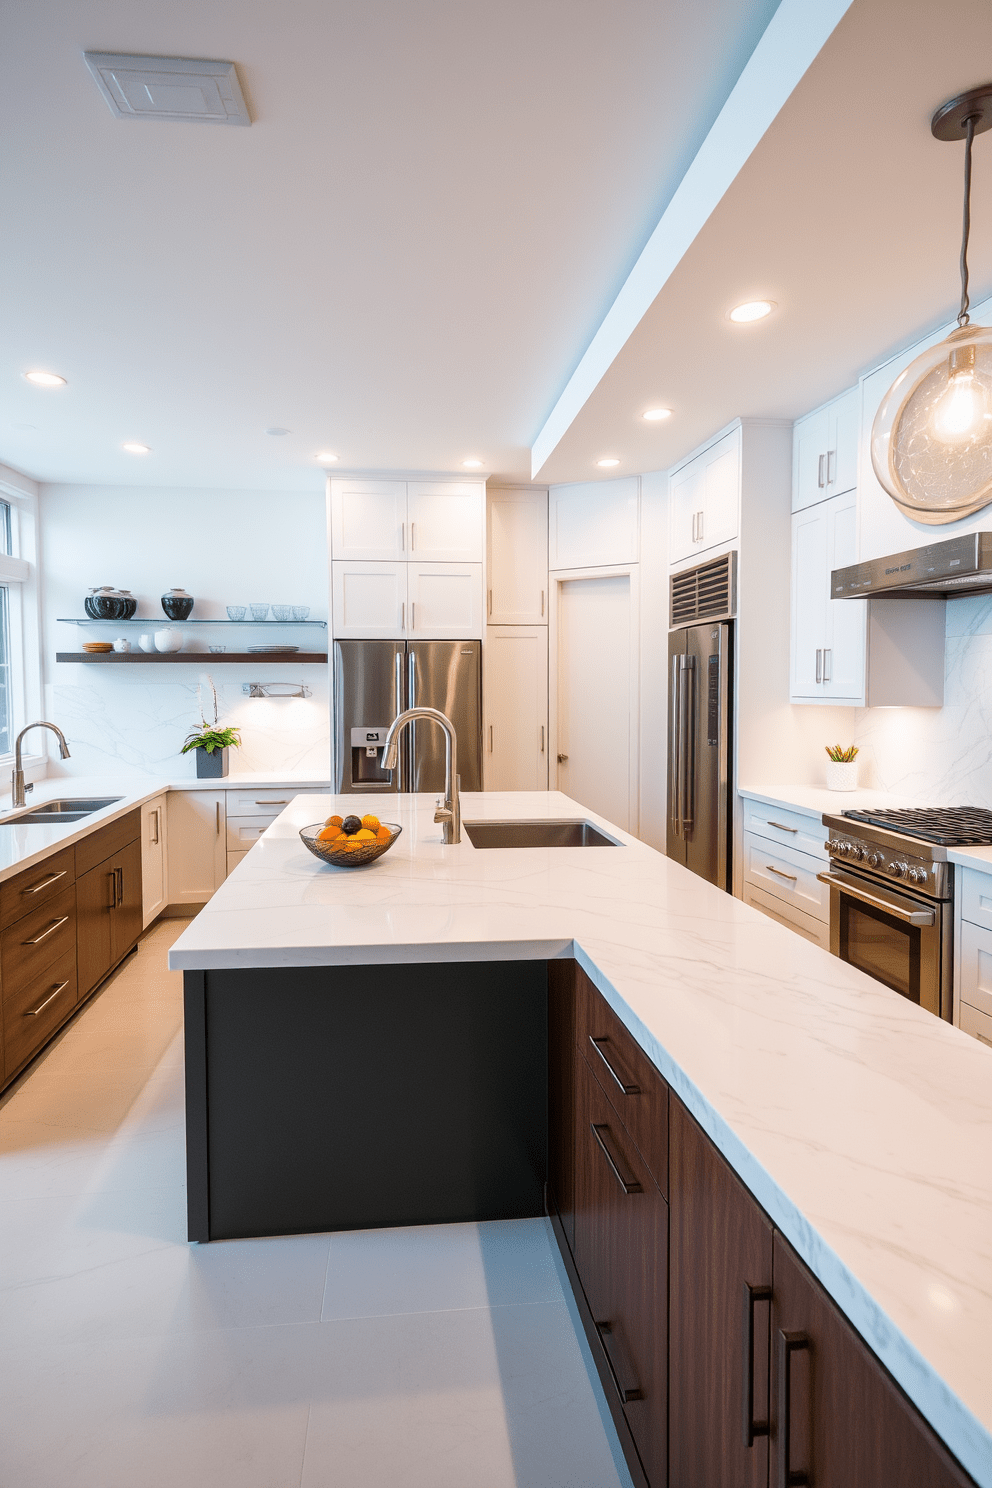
44, 379
472, 464
751, 310
653, 415
606, 464
325, 457
136, 449
277, 431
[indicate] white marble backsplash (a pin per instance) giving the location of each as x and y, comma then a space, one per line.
940, 755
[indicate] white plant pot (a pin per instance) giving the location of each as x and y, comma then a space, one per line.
168, 640
842, 775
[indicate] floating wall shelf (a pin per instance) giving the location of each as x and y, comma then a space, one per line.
158, 621
192, 658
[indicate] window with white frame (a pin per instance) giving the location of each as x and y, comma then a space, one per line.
20, 652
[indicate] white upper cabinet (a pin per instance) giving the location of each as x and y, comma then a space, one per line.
445, 601
518, 557
704, 499
594, 524
825, 452
369, 600
828, 635
445, 521
368, 519
515, 694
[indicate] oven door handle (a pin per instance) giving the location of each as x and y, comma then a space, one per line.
891, 906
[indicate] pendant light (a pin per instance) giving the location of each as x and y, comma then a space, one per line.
931, 442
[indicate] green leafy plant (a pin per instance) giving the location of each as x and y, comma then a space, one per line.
208, 736
839, 755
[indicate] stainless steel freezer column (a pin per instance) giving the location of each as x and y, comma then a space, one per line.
446, 675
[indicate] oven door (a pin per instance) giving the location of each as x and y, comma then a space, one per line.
898, 937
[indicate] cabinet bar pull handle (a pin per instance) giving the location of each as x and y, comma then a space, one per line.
819, 472
403, 615
752, 1428
542, 738
780, 828
788, 1344
413, 614
40, 1007
831, 466
37, 939
625, 1085
271, 803
610, 1343
490, 601
542, 601
155, 814
628, 1184
702, 523
827, 664
402, 537
113, 889
792, 877
119, 872
413, 539
490, 738
37, 888
819, 666
217, 817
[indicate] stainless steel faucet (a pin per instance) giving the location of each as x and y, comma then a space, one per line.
450, 813
17, 779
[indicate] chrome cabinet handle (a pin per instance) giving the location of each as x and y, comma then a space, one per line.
687, 679
674, 767
37, 888
402, 537
826, 664
628, 1184
40, 1007
413, 614
542, 601
113, 889
752, 1428
217, 817
542, 738
780, 828
403, 615
490, 738
413, 536
788, 1344
702, 525
794, 878
37, 939
610, 1343
155, 814
120, 885
490, 601
819, 473
819, 666
831, 466
271, 803
625, 1085
898, 911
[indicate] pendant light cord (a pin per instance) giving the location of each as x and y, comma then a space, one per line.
969, 124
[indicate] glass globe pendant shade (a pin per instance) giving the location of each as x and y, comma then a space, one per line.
931, 442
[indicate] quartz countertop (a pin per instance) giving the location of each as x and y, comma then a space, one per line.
862, 1124
816, 800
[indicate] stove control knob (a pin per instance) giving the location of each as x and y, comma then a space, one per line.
833, 846
918, 875
899, 870
862, 854
875, 860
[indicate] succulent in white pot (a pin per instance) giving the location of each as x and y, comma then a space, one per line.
842, 767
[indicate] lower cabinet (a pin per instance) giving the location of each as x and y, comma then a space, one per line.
154, 878
197, 844
108, 913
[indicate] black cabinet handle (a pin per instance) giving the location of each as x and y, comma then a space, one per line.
627, 1183
113, 889
625, 1085
618, 1364
752, 1428
788, 1344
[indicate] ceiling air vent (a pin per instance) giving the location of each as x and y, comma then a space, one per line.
708, 592
187, 88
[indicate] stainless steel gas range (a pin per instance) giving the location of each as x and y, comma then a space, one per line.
892, 894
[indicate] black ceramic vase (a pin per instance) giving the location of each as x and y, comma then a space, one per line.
177, 604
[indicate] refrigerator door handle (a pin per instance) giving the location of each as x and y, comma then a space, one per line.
675, 736
687, 702
411, 732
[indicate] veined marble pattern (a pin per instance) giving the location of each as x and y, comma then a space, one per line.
862, 1124
135, 725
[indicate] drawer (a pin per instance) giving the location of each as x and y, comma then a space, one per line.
975, 982
267, 803
788, 915
976, 896
786, 874
33, 1013
629, 1080
37, 940
244, 831
99, 846
977, 1023
789, 827
37, 885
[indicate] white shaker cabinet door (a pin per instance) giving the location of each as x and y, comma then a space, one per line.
518, 558
154, 883
845, 424
445, 521
704, 499
684, 501
844, 673
368, 519
809, 603
197, 844
810, 445
369, 600
515, 691
445, 601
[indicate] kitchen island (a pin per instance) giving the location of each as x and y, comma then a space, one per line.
860, 1125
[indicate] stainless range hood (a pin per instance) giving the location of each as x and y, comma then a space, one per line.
945, 570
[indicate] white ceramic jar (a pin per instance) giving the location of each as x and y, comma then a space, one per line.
842, 775
168, 639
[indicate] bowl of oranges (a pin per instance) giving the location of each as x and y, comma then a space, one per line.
350, 841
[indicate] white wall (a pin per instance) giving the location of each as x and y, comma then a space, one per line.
654, 659
224, 547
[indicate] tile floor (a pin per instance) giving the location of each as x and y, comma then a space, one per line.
446, 1356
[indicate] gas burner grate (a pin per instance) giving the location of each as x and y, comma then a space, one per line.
952, 826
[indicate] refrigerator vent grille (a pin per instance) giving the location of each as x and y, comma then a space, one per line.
708, 592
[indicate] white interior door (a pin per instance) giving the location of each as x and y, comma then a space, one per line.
594, 706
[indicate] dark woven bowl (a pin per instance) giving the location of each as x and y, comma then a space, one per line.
346, 857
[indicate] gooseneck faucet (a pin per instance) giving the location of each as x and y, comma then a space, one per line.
17, 779
451, 812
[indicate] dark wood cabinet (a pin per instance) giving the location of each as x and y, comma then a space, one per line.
35, 1009
721, 1279
838, 1419
125, 921
108, 914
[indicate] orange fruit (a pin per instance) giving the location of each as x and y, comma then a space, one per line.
333, 821
328, 834
370, 821
364, 835
383, 834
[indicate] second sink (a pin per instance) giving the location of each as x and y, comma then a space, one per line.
536, 834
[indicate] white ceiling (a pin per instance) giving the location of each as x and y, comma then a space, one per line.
402, 259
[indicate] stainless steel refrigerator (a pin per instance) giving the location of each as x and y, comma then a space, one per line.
374, 681
700, 816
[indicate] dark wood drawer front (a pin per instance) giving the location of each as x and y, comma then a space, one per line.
31, 1015
37, 940
45, 881
109, 840
621, 1254
630, 1081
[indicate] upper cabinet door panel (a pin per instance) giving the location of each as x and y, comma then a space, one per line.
594, 524
518, 557
810, 442
445, 601
369, 600
705, 498
368, 519
809, 602
685, 499
845, 671
842, 472
445, 521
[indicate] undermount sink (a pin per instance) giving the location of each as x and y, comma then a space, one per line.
63, 811
536, 834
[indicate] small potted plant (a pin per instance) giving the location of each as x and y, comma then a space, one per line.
842, 767
210, 742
